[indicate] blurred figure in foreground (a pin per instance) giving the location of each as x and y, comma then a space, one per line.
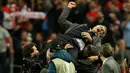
126, 29
5, 41
122, 55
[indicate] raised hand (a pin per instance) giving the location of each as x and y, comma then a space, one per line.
67, 46
71, 4
86, 35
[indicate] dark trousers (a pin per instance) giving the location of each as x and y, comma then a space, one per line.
2, 62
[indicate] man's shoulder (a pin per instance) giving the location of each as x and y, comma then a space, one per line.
57, 60
111, 62
107, 63
110, 59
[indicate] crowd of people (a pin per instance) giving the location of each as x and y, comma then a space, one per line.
64, 36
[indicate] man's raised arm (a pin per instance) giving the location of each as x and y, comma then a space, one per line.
64, 23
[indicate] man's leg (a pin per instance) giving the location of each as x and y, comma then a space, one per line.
2, 62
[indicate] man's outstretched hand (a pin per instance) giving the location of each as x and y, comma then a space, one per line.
71, 4
93, 58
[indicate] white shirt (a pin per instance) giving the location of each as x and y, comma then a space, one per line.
8, 21
105, 60
81, 43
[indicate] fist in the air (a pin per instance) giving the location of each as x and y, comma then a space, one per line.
71, 4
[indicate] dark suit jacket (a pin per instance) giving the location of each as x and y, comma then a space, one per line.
81, 65
110, 66
69, 26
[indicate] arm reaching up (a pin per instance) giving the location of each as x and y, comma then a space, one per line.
64, 23
71, 5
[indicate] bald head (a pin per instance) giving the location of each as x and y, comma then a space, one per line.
100, 30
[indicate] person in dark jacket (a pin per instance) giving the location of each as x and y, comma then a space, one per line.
79, 35
86, 65
61, 60
74, 29
109, 64
31, 64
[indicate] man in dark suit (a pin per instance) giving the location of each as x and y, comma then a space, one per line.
109, 64
79, 31
78, 35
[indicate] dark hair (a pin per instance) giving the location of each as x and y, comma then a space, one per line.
91, 50
106, 50
57, 44
27, 49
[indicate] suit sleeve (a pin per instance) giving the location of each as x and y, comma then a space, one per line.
51, 68
106, 69
64, 23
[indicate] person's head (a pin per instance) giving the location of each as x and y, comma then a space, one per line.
126, 7
30, 50
12, 7
112, 7
39, 36
56, 45
100, 16
121, 45
106, 51
24, 35
100, 30
53, 36
40, 6
90, 50
21, 3
29, 26
113, 16
93, 4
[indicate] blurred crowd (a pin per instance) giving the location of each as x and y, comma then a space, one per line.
37, 21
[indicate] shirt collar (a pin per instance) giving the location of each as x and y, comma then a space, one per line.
105, 60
